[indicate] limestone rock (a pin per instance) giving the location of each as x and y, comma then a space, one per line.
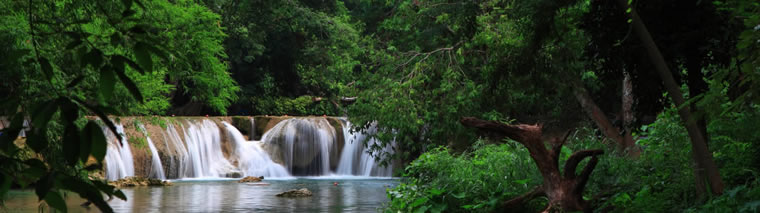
296, 193
138, 181
251, 179
234, 175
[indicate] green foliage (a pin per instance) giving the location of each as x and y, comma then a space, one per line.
155, 120
303, 105
743, 198
139, 142
62, 61
282, 50
472, 182
662, 178
742, 78
194, 65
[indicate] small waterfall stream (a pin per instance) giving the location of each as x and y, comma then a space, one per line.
119, 162
204, 147
252, 160
356, 159
157, 170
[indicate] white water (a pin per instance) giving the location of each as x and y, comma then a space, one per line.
156, 169
204, 148
304, 144
356, 159
252, 160
192, 149
119, 162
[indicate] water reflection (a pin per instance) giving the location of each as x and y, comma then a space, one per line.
350, 195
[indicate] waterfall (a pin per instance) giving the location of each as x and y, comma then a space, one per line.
304, 144
207, 147
157, 170
252, 160
119, 162
204, 150
355, 159
178, 152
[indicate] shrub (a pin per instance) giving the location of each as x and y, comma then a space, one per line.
471, 182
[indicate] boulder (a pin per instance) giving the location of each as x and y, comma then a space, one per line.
138, 181
251, 179
296, 193
234, 175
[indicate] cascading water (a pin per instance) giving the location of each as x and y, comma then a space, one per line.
204, 152
304, 144
355, 159
119, 163
157, 170
252, 160
193, 148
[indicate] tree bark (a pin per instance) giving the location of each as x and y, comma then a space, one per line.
627, 111
702, 154
564, 191
597, 115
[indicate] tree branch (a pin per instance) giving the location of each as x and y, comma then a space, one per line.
577, 157
557, 146
585, 174
520, 132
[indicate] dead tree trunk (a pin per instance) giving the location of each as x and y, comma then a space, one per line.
627, 111
565, 191
702, 154
623, 139
597, 115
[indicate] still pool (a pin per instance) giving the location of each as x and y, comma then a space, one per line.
351, 194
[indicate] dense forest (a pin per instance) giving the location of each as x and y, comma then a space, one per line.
648, 105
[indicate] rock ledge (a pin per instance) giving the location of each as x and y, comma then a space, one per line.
296, 193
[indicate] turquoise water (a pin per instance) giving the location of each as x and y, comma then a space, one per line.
352, 194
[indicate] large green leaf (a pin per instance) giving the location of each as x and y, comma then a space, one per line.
97, 140
37, 140
35, 168
107, 83
43, 114
55, 201
87, 190
142, 54
5, 184
43, 186
71, 143
130, 85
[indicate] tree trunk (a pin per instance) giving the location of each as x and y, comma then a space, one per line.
702, 155
564, 191
627, 111
624, 141
597, 115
